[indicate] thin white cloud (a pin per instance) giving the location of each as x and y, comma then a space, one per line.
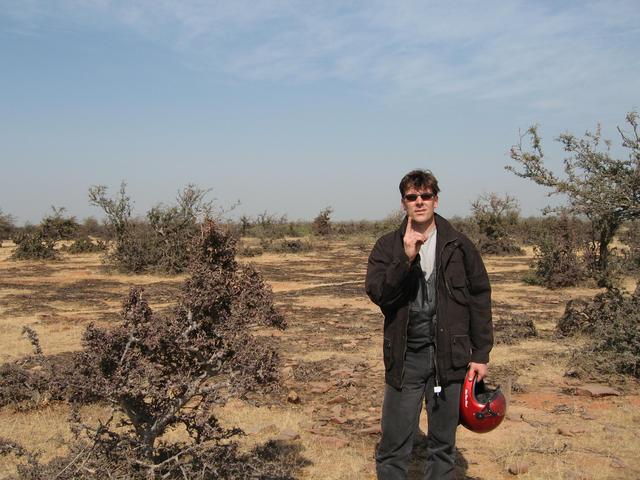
489, 49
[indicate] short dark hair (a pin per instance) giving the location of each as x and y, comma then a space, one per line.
419, 179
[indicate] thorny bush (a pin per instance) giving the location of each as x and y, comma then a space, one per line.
496, 218
631, 238
57, 226
160, 372
34, 246
85, 245
322, 222
162, 241
7, 226
598, 186
611, 321
39, 243
556, 263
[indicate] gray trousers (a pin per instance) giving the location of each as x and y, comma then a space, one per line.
401, 414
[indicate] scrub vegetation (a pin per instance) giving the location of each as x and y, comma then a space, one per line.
193, 374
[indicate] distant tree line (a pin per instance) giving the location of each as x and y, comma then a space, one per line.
570, 243
564, 244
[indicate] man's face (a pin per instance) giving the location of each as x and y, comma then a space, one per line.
420, 210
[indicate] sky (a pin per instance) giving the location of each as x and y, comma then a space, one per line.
291, 106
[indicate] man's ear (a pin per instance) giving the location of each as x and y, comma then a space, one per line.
435, 202
404, 207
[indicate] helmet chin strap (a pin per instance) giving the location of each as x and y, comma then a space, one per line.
486, 412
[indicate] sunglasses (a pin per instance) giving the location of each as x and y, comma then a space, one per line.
412, 197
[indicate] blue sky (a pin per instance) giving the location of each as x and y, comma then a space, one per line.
291, 106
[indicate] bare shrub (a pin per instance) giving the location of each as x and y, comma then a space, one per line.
7, 226
293, 246
132, 249
245, 225
514, 330
57, 226
496, 216
38, 243
611, 321
556, 263
162, 242
85, 245
582, 316
34, 246
268, 226
322, 222
160, 372
467, 225
90, 227
631, 238
250, 251
38, 379
284, 245
133, 252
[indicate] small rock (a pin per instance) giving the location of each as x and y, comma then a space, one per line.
562, 408
596, 391
587, 416
337, 399
370, 430
322, 389
565, 432
518, 468
293, 397
339, 420
287, 373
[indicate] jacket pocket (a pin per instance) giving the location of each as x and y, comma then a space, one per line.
387, 352
460, 351
458, 291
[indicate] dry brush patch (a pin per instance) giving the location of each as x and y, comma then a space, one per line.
165, 372
331, 358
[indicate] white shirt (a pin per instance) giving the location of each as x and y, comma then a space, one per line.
428, 254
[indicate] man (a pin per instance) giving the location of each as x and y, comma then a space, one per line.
433, 289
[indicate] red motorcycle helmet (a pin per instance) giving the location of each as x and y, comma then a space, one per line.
481, 409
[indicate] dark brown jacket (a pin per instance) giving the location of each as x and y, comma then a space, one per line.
464, 327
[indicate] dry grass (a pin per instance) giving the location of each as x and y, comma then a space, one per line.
334, 329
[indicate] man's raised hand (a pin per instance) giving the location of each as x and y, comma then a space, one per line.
413, 240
